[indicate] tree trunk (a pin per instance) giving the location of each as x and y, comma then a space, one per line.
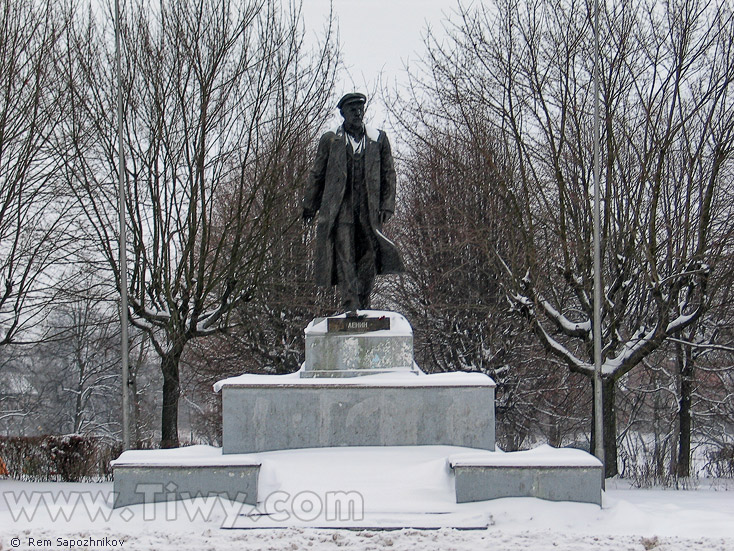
609, 387
135, 411
685, 366
171, 393
79, 404
609, 426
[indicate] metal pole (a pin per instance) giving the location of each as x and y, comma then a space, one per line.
123, 241
598, 396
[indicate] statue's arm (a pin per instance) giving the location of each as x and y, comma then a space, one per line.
387, 178
316, 178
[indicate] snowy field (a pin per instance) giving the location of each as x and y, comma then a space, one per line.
389, 498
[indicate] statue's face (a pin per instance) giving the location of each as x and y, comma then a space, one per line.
353, 114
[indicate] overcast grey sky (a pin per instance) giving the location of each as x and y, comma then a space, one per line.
378, 38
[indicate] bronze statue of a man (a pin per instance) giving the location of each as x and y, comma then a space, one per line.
352, 186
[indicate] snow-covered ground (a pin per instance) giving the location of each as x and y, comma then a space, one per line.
390, 498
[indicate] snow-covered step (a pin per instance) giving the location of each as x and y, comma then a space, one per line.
360, 487
155, 476
549, 473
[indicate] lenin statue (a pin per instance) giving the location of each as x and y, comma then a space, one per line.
352, 186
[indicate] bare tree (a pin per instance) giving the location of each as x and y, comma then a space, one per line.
704, 379
266, 334
75, 373
31, 211
217, 94
450, 216
19, 398
452, 223
667, 117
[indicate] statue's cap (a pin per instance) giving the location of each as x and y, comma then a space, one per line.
351, 97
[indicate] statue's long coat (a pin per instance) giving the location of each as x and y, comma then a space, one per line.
325, 191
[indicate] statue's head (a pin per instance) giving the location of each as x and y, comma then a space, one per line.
351, 107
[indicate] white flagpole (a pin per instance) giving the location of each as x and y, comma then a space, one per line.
123, 241
598, 396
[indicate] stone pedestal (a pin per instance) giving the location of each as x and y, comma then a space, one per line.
358, 386
351, 347
277, 412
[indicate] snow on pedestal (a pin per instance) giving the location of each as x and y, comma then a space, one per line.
280, 412
152, 476
355, 353
549, 473
359, 390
